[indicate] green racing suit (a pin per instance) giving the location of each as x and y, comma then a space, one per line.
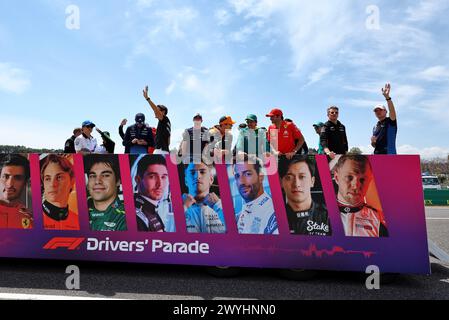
112, 219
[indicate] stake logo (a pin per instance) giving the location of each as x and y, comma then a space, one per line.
68, 243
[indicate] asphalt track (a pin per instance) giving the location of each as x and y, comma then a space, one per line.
23, 279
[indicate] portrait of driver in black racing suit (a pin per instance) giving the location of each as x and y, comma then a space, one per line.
305, 216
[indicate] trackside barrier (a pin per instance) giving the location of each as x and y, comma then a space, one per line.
436, 197
232, 226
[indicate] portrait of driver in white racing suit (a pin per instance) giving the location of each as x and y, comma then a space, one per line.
257, 215
353, 176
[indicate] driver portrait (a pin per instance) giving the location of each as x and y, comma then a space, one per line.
152, 201
203, 208
305, 216
14, 177
257, 215
58, 182
106, 210
353, 176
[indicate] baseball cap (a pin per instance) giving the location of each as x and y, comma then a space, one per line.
227, 120
88, 123
380, 106
198, 116
318, 124
140, 118
107, 134
275, 112
251, 117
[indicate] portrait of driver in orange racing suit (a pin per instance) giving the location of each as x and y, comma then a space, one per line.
14, 178
58, 182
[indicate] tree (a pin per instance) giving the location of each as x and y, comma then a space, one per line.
22, 149
355, 150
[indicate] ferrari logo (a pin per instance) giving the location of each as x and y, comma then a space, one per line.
26, 223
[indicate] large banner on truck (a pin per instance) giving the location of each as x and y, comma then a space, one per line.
304, 213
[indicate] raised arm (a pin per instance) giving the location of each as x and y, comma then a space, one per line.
105, 137
157, 112
120, 128
391, 109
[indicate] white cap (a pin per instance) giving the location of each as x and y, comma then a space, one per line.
380, 106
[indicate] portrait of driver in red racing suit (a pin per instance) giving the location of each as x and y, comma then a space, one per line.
353, 176
14, 177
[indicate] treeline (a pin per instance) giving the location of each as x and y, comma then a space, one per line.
22, 149
435, 166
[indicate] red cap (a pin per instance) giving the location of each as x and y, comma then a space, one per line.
275, 112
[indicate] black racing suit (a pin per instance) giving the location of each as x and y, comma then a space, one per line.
147, 217
69, 146
333, 136
313, 222
134, 132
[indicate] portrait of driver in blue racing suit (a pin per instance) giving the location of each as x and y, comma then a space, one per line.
203, 208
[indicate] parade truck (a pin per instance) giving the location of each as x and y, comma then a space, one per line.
348, 215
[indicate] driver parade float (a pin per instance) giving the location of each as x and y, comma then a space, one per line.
396, 191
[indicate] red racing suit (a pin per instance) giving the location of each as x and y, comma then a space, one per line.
15, 216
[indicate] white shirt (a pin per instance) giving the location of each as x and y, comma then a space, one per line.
258, 217
83, 143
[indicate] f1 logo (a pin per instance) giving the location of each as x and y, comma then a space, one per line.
69, 243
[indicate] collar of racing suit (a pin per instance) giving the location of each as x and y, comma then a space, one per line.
54, 212
154, 202
149, 210
347, 208
249, 205
142, 201
303, 213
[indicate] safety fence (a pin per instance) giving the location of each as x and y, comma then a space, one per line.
436, 197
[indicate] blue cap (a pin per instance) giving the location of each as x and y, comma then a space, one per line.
88, 123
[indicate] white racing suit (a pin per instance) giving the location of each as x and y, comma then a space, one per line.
258, 217
362, 220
